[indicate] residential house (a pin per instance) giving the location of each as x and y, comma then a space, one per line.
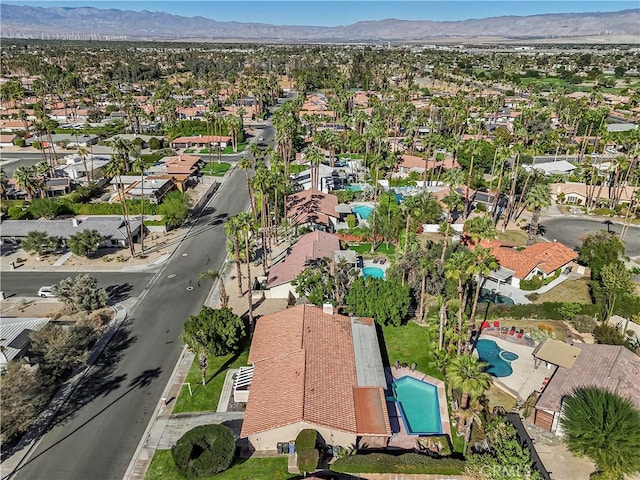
330, 178
612, 367
12, 126
202, 141
6, 139
151, 187
52, 188
112, 229
411, 163
317, 210
313, 368
542, 259
309, 249
14, 337
182, 164
560, 167
576, 193
68, 140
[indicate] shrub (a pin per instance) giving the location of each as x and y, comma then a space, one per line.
39, 242
306, 439
568, 311
308, 460
18, 213
84, 243
405, 463
204, 451
19, 142
541, 332
36, 144
351, 221
534, 283
154, 143
584, 323
546, 310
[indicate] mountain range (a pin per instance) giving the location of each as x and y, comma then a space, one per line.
95, 23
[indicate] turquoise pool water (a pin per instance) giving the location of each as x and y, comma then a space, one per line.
419, 406
487, 296
375, 272
499, 360
364, 211
353, 187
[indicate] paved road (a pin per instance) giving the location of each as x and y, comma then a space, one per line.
26, 284
572, 230
110, 411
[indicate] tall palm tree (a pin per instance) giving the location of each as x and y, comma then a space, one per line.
232, 230
246, 226
411, 207
483, 264
467, 374
314, 156
214, 275
84, 152
538, 197
457, 269
116, 168
139, 166
245, 165
480, 228
453, 202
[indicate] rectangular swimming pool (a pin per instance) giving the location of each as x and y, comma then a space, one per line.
419, 406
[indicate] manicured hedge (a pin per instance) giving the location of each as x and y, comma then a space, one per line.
406, 463
204, 451
133, 208
306, 439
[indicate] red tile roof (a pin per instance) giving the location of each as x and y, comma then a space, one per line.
546, 256
182, 164
309, 247
305, 371
607, 366
311, 206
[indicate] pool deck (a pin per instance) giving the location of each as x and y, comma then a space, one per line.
524, 378
400, 437
381, 266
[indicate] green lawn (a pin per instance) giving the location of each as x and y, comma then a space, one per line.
366, 248
217, 169
272, 468
411, 343
229, 150
513, 237
568, 291
190, 150
205, 397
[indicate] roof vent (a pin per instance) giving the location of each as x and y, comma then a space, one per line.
327, 308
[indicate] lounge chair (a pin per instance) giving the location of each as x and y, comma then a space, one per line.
383, 261
496, 324
397, 364
520, 333
375, 260
512, 331
413, 367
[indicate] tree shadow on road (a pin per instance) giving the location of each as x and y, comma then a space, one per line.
119, 292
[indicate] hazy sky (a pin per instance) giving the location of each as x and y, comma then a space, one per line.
331, 13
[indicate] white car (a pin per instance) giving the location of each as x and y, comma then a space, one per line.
46, 291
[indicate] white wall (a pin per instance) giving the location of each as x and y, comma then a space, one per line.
282, 291
269, 440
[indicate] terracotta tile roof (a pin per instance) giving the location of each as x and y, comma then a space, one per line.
548, 257
608, 366
311, 206
182, 164
305, 341
312, 246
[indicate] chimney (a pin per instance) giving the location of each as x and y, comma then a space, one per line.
327, 308
74, 222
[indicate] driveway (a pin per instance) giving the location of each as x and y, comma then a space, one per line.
572, 230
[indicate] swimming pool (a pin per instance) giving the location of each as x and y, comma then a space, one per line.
353, 187
364, 211
487, 296
499, 360
375, 272
419, 406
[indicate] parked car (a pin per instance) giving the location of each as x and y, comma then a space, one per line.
46, 291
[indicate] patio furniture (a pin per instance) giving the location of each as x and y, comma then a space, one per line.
496, 324
375, 260
413, 367
397, 364
484, 325
383, 261
520, 333
504, 330
405, 365
512, 331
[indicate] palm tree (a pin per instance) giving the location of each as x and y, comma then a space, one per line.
483, 264
246, 226
232, 230
245, 165
606, 428
4, 182
115, 168
314, 156
26, 178
453, 201
139, 166
411, 206
457, 268
467, 374
214, 275
537, 198
479, 228
83, 152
